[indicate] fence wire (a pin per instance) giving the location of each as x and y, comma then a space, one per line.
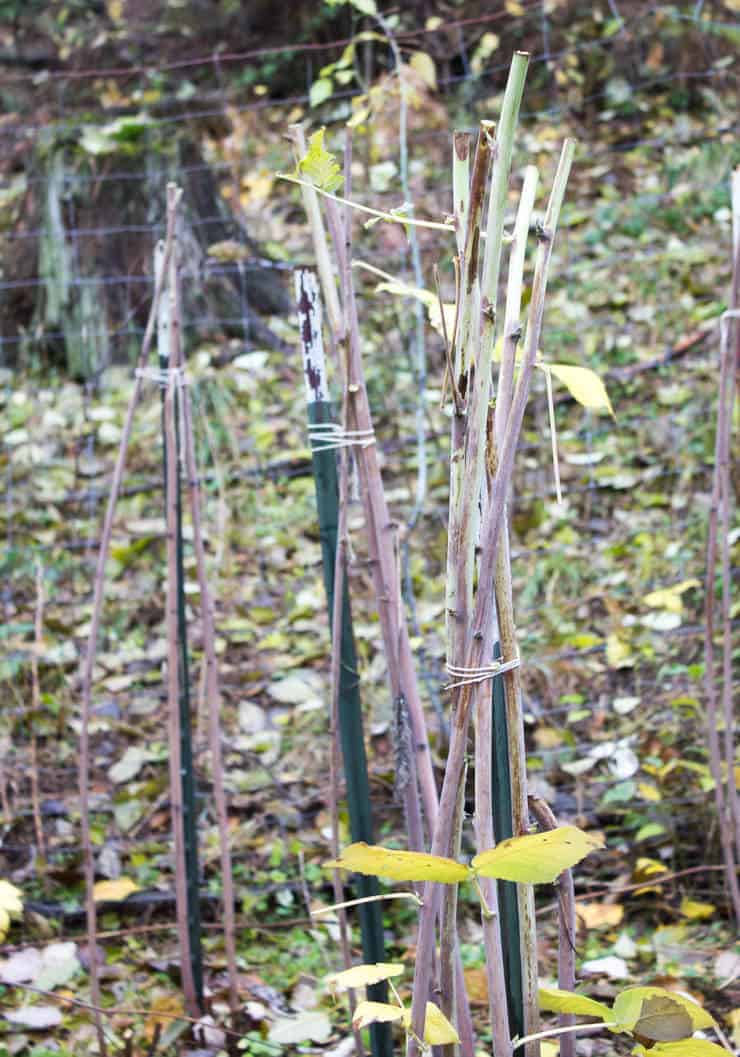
246, 475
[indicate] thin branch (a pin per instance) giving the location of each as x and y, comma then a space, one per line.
172, 471
566, 926
38, 646
97, 609
213, 699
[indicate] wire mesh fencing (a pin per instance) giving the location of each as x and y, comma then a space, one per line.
612, 682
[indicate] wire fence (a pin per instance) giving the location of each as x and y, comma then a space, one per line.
580, 708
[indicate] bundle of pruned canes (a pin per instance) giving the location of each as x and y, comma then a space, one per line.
491, 357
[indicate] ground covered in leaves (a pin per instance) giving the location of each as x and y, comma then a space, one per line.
608, 589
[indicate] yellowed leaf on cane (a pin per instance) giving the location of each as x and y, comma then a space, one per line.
658, 1014
437, 1029
362, 976
537, 858
430, 301
376, 1013
318, 166
375, 861
583, 384
683, 1048
555, 1000
114, 891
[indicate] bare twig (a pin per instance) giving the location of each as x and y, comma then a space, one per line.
97, 608
725, 793
479, 638
38, 646
172, 472
566, 926
213, 698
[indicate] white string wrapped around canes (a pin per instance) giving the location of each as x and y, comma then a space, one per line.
470, 676
161, 375
329, 436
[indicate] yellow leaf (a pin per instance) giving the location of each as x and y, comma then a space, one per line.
11, 906
514, 8
228, 251
584, 385
696, 911
114, 891
648, 791
11, 899
538, 858
600, 915
550, 1049
376, 1012
437, 1029
486, 47
362, 976
669, 598
658, 1014
115, 10
423, 64
398, 865
684, 1048
164, 1009
618, 653
555, 1000
733, 1019
319, 166
645, 867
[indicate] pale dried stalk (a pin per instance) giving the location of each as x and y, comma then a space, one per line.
448, 924
382, 535
566, 929
505, 607
381, 530
512, 313
381, 538
479, 635
460, 205
38, 646
297, 137
730, 367
212, 698
340, 565
463, 504
725, 793
173, 644
97, 609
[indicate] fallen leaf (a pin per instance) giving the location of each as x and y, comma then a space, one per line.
696, 911
34, 1018
611, 966
600, 915
11, 906
312, 1025
59, 963
114, 891
21, 967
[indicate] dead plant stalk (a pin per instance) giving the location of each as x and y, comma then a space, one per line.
97, 609
479, 637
